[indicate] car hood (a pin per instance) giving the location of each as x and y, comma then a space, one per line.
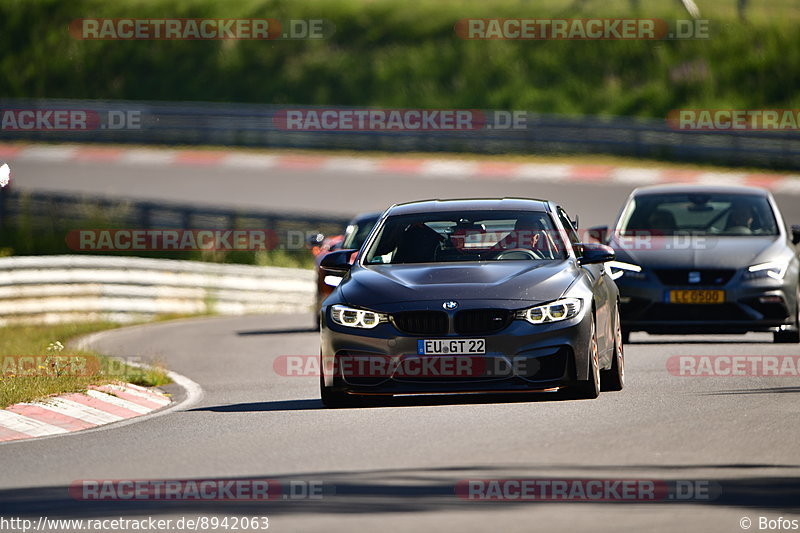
701, 253
499, 280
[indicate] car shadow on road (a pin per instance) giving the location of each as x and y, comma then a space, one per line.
402, 490
766, 390
375, 403
705, 340
280, 405
286, 331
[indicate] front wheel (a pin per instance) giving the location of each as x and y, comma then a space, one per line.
792, 335
333, 399
613, 379
590, 389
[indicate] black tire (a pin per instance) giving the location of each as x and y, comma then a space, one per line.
626, 336
317, 311
590, 389
334, 399
791, 335
613, 379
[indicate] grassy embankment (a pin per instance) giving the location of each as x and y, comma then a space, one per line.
56, 370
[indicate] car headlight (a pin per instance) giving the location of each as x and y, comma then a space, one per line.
773, 269
617, 269
356, 318
562, 309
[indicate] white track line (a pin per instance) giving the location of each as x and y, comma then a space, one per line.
248, 161
721, 178
27, 425
119, 402
145, 156
194, 393
636, 176
148, 396
445, 168
79, 411
789, 185
542, 172
350, 164
48, 153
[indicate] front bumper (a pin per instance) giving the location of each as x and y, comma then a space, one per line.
756, 305
520, 358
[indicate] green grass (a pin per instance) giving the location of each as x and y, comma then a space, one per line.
43, 233
405, 54
57, 376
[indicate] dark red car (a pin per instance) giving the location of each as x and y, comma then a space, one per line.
354, 236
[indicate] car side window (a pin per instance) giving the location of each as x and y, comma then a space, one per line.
572, 233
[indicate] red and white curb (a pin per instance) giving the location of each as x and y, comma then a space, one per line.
66, 413
388, 166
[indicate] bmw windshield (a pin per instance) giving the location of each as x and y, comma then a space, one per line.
466, 236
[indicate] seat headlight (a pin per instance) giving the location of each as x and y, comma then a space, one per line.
332, 281
617, 269
562, 309
356, 318
773, 269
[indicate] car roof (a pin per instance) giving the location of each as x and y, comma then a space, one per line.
363, 217
692, 188
470, 204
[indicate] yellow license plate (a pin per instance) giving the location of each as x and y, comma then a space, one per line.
695, 296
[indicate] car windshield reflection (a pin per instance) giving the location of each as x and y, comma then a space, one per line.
699, 214
467, 237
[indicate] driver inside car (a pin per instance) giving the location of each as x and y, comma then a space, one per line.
529, 234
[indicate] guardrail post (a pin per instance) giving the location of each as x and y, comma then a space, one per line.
186, 219
3, 200
144, 216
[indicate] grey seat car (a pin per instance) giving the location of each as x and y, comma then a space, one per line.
471, 296
695, 259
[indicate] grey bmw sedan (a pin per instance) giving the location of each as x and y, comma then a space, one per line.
697, 259
471, 296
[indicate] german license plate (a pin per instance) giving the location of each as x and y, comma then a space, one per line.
451, 346
696, 296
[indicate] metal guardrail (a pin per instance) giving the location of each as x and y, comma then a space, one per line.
256, 125
46, 211
52, 289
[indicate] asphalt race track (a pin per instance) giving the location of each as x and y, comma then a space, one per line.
339, 192
732, 442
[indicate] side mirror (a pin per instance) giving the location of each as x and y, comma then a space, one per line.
594, 253
795, 234
598, 233
338, 261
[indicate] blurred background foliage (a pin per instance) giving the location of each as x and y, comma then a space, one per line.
396, 53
